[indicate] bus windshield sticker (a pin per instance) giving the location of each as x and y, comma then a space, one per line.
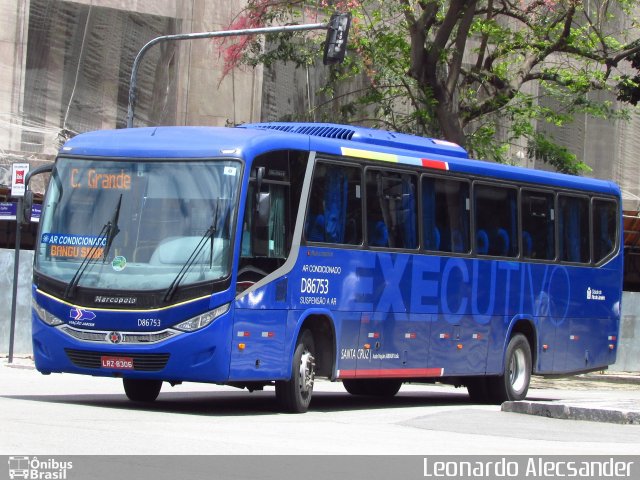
73, 246
119, 263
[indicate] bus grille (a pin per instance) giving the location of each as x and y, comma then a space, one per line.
102, 337
144, 362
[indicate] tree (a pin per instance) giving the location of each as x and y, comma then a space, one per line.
629, 86
466, 70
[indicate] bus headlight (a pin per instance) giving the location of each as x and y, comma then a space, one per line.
45, 316
201, 321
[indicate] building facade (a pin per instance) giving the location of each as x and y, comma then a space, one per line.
66, 67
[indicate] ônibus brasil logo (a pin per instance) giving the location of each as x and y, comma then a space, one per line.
36, 469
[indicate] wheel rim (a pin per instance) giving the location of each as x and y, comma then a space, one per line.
307, 372
518, 371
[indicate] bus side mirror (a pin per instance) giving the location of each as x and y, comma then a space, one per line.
23, 214
335, 45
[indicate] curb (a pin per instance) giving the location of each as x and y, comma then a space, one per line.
568, 412
20, 366
24, 363
611, 378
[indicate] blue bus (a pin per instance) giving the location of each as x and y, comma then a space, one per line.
273, 253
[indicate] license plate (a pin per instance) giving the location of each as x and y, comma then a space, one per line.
120, 363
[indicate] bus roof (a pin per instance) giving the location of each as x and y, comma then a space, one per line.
250, 140
369, 136
180, 143
430, 153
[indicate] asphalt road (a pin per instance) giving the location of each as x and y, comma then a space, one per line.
64, 414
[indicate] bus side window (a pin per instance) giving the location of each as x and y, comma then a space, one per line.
445, 215
538, 225
391, 209
605, 218
496, 220
573, 226
335, 206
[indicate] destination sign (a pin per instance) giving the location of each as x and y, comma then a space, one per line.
95, 180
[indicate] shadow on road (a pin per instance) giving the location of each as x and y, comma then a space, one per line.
240, 403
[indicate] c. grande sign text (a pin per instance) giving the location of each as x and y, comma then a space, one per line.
101, 181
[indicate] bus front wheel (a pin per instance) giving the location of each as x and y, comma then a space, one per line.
513, 384
141, 390
294, 395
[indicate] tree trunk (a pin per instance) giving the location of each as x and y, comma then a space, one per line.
450, 123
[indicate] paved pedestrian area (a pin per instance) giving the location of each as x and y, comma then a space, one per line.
612, 397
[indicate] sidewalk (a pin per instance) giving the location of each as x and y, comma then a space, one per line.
623, 407
18, 362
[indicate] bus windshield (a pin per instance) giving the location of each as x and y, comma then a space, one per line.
132, 225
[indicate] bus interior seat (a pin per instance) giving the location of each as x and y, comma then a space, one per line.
177, 250
155, 227
315, 228
351, 232
571, 230
432, 238
527, 244
501, 243
482, 242
335, 205
379, 235
407, 214
329, 224
575, 250
333, 226
457, 242
436, 238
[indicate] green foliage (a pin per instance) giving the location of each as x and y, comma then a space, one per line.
467, 71
629, 86
542, 148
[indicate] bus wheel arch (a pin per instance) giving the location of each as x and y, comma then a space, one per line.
525, 326
313, 355
324, 336
294, 395
513, 383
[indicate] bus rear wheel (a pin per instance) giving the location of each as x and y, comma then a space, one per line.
378, 388
513, 384
294, 395
141, 390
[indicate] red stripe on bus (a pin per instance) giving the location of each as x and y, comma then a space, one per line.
437, 164
392, 373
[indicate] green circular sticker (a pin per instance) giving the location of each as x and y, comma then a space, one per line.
119, 263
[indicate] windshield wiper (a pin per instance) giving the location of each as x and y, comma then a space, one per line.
195, 253
109, 231
112, 229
